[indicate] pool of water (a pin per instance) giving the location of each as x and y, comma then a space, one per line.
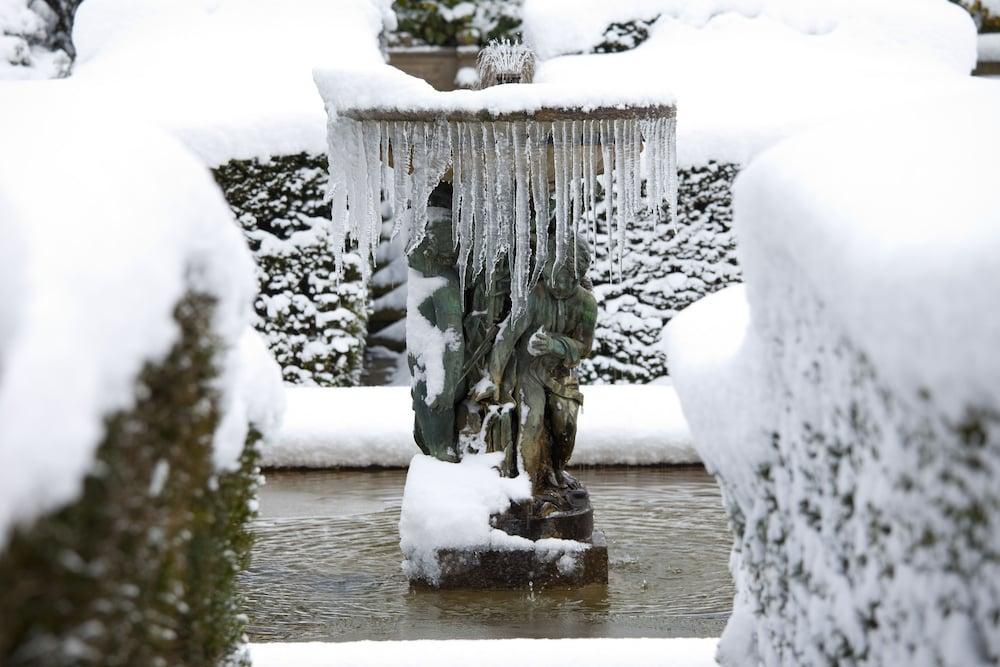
326, 565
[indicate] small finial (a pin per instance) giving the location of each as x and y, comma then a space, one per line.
504, 61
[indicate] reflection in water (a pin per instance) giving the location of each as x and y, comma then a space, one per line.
326, 565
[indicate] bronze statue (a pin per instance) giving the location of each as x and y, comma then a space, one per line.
435, 341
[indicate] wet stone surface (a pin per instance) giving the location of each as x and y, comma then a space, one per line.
326, 566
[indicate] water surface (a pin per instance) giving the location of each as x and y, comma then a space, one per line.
326, 565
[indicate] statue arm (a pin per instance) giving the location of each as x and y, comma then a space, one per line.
572, 349
505, 343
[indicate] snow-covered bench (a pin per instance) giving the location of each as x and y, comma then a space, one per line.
848, 399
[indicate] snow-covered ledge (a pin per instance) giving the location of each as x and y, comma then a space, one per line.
849, 398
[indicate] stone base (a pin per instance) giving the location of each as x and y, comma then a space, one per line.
523, 568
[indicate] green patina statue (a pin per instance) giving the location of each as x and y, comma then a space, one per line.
485, 380
434, 337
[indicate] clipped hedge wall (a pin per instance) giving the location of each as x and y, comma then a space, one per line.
667, 267
871, 538
141, 569
314, 327
455, 22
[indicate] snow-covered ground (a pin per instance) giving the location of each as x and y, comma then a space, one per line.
848, 397
747, 73
107, 223
491, 653
373, 426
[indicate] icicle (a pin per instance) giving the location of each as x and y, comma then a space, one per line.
491, 199
469, 200
636, 166
576, 134
505, 194
338, 142
538, 137
476, 134
671, 150
560, 140
401, 173
370, 142
592, 135
456, 181
522, 220
417, 221
607, 154
620, 195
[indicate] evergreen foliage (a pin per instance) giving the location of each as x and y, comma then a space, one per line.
141, 569
314, 326
455, 22
667, 267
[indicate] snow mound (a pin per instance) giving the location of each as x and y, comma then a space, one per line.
373, 426
231, 78
750, 72
897, 230
448, 506
848, 397
109, 224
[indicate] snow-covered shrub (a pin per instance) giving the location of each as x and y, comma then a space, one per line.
667, 267
132, 394
35, 38
986, 13
455, 22
314, 326
746, 75
848, 402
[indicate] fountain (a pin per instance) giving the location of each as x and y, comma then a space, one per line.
498, 192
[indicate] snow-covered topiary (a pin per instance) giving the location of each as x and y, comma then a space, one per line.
848, 399
132, 393
314, 325
35, 38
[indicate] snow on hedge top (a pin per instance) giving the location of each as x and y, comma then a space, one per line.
894, 221
749, 72
232, 78
389, 89
111, 225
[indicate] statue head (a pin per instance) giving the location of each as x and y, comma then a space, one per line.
562, 279
437, 248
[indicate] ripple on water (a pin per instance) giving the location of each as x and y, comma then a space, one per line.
326, 564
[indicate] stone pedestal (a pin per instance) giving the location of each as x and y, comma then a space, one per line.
538, 568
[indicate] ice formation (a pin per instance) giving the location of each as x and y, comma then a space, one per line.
502, 183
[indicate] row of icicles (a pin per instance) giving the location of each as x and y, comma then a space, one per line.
503, 193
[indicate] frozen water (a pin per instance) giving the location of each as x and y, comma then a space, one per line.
500, 175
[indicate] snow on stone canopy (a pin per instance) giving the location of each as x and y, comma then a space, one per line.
109, 224
748, 73
231, 78
496, 143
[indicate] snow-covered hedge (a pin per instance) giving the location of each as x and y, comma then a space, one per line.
746, 74
455, 22
233, 81
314, 326
668, 267
852, 411
35, 38
132, 393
